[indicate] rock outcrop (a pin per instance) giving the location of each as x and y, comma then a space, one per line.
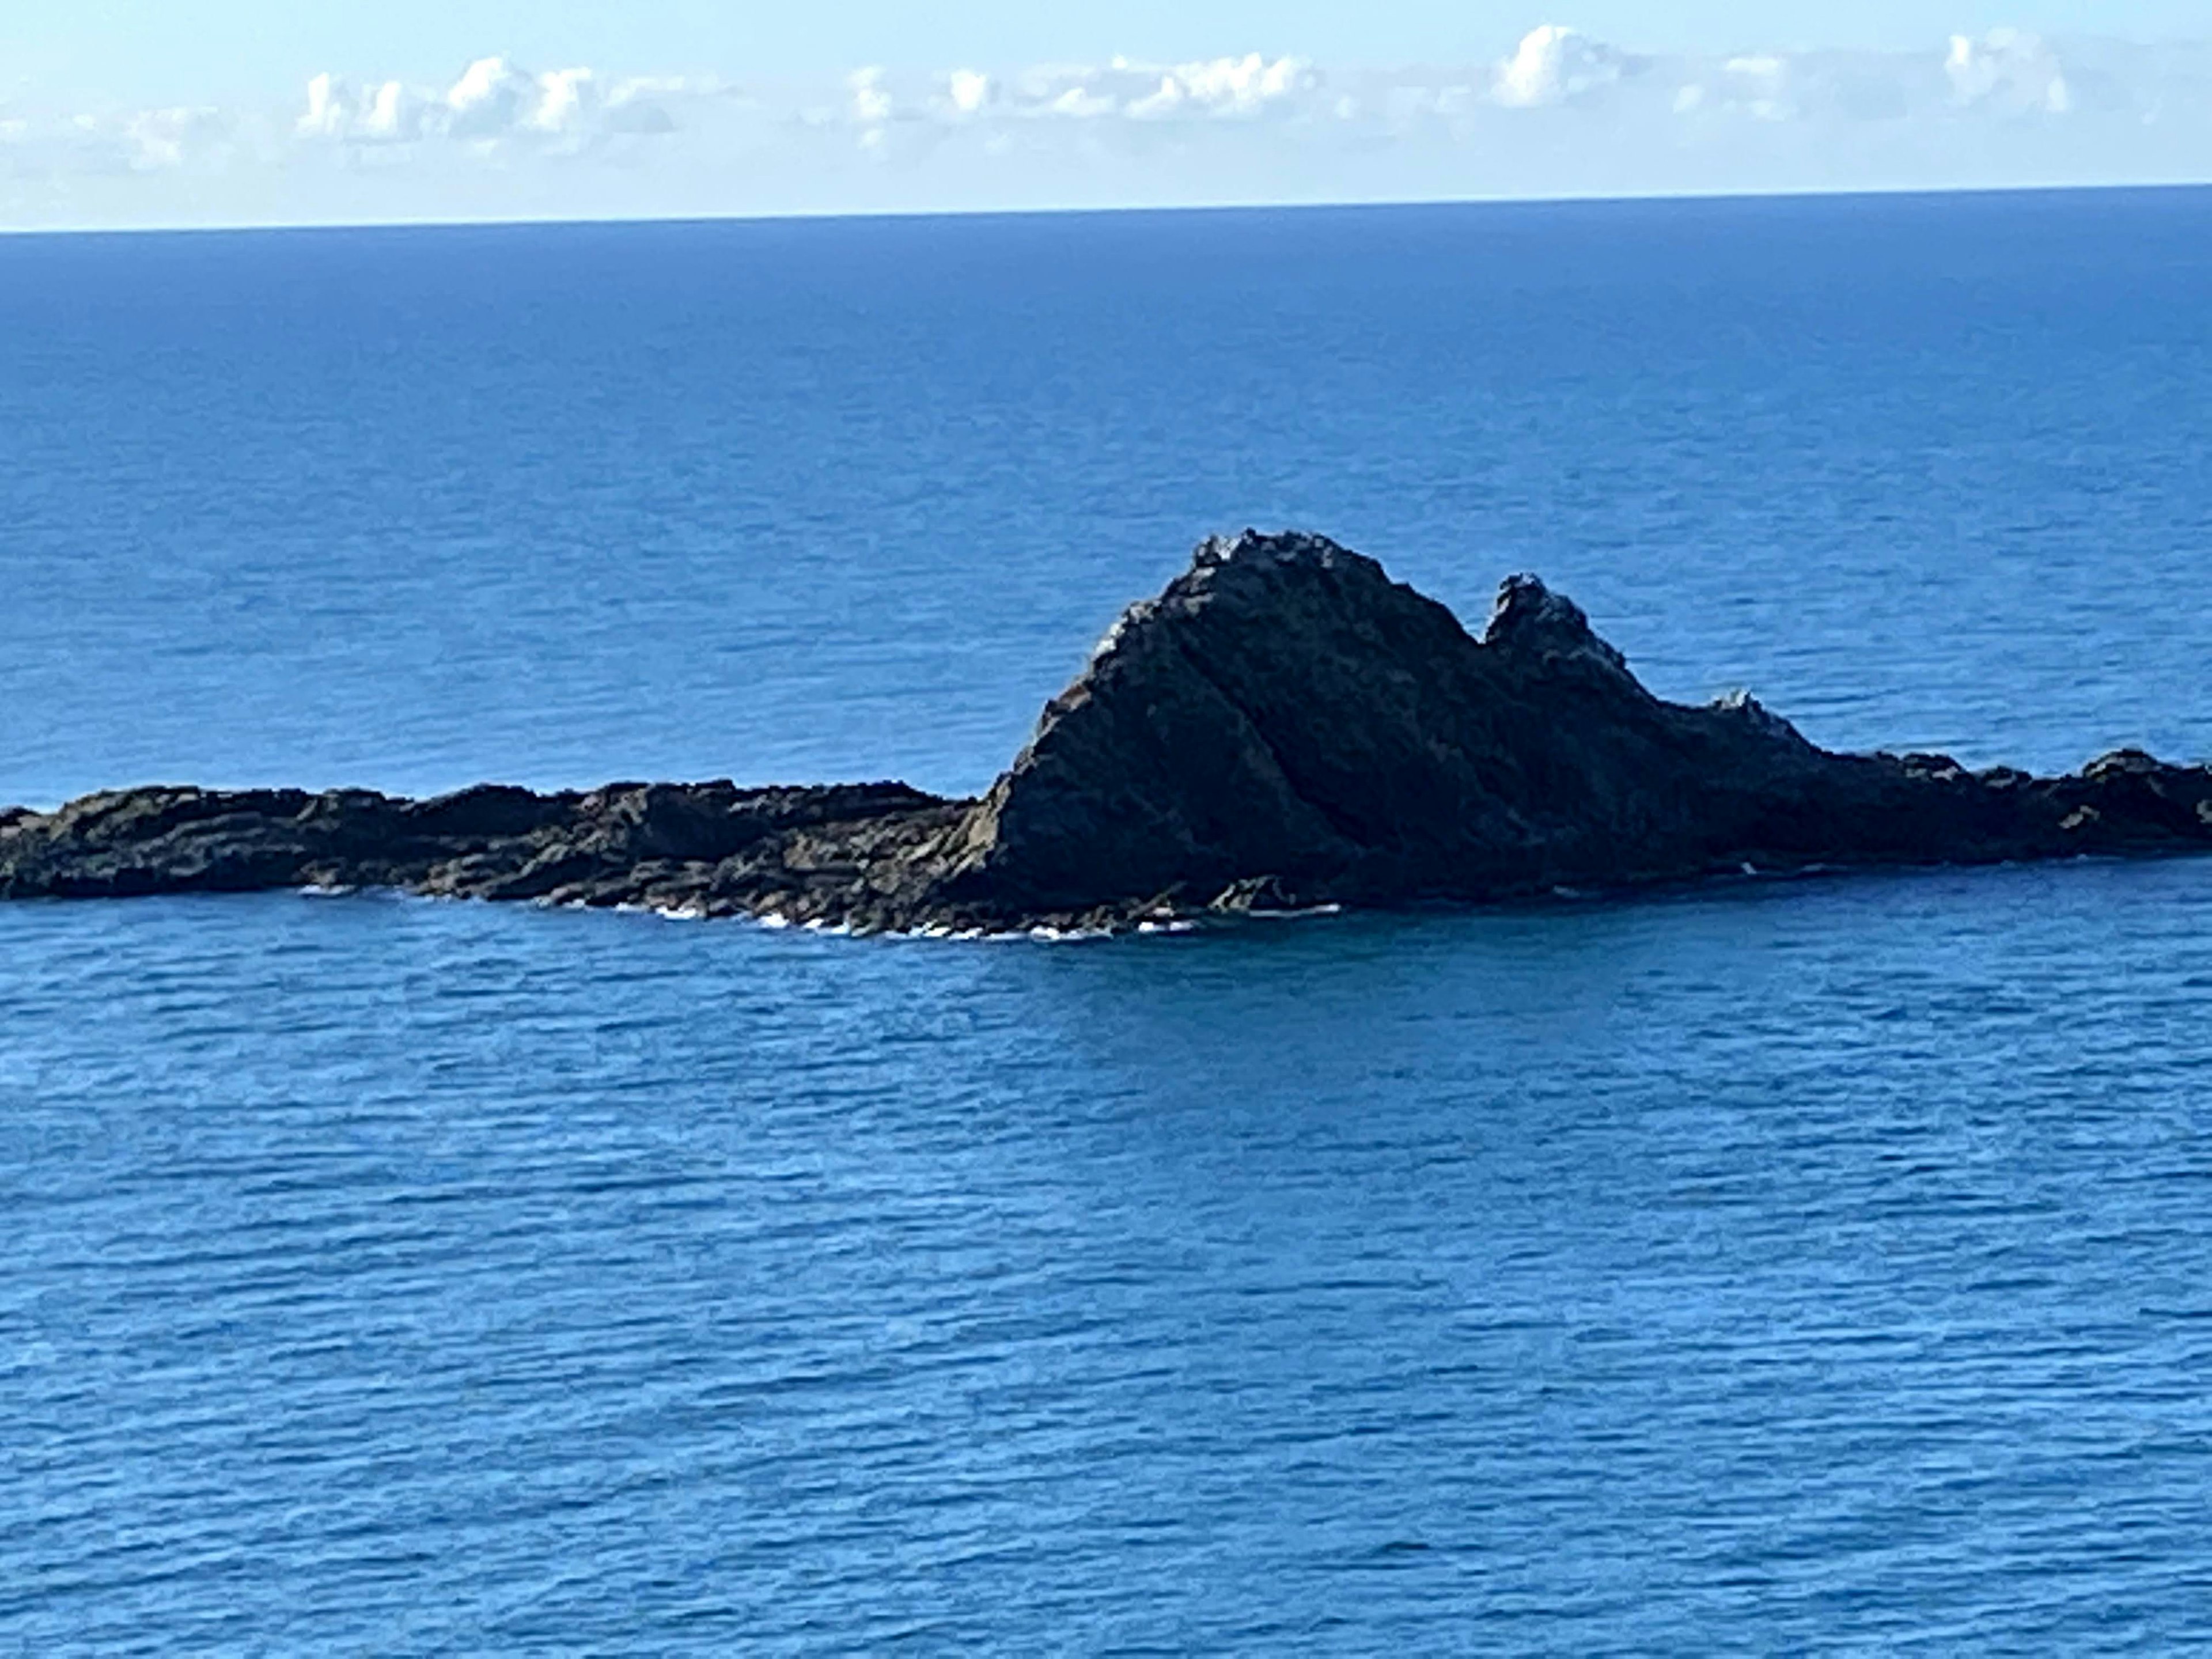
1284, 726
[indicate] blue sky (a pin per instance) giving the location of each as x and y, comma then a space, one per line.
117, 113
161, 49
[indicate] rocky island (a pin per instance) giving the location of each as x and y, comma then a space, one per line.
1283, 727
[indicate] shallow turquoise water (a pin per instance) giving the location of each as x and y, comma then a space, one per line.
1750, 1270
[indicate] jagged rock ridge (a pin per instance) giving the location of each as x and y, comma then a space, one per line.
1283, 725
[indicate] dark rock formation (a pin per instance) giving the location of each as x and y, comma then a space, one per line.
1283, 727
712, 848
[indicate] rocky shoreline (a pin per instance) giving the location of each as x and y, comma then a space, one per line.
1283, 727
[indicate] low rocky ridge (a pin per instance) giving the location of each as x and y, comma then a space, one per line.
1283, 727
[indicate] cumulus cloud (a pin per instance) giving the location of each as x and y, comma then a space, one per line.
565, 98
1760, 85
1226, 86
969, 91
385, 112
163, 139
491, 98
1552, 65
2009, 70
873, 103
893, 111
640, 105
1763, 87
1212, 88
492, 102
145, 143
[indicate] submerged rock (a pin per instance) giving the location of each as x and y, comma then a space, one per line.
1283, 727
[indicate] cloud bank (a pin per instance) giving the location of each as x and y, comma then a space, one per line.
491, 101
1556, 112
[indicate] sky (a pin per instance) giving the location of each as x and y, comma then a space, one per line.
143, 112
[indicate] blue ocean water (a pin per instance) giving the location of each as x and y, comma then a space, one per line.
1765, 1268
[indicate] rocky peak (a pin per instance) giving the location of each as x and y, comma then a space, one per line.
1532, 623
1285, 710
1289, 547
1740, 705
1254, 570
1254, 578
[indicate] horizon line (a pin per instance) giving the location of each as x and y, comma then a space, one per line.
1227, 205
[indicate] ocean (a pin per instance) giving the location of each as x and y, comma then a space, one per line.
1770, 1266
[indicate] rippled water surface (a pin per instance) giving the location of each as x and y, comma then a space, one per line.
1757, 1269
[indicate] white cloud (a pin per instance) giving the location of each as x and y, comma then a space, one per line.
1761, 85
385, 114
327, 116
389, 114
162, 139
970, 91
561, 101
641, 106
494, 102
1233, 86
873, 103
1553, 66
1210, 89
490, 100
1078, 101
2009, 70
